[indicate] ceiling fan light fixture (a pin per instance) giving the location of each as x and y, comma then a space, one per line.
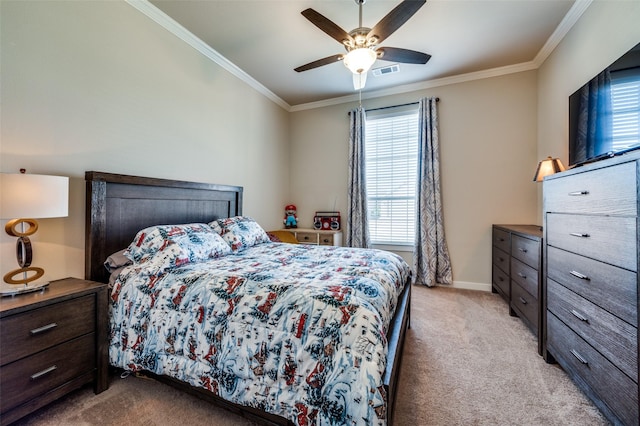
359, 61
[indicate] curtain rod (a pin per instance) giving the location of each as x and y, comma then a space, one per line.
395, 106
398, 106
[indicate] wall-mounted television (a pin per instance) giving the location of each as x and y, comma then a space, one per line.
604, 114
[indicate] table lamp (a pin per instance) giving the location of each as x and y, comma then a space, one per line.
547, 167
24, 197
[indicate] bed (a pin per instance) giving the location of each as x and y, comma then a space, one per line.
256, 330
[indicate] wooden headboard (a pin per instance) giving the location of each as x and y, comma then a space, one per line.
118, 206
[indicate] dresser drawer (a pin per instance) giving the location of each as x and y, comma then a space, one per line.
33, 331
326, 239
525, 276
610, 190
526, 305
612, 288
502, 240
578, 358
526, 250
501, 280
501, 259
31, 376
606, 238
307, 237
612, 337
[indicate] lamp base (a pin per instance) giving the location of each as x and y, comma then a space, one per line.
21, 289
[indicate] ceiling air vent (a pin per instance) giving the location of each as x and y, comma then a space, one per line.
390, 69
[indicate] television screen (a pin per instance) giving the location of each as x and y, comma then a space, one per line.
604, 114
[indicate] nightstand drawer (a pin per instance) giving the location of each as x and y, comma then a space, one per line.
608, 334
611, 190
31, 376
610, 385
33, 331
607, 238
526, 250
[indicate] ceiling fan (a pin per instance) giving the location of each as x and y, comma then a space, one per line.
362, 43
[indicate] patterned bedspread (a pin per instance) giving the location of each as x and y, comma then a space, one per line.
294, 330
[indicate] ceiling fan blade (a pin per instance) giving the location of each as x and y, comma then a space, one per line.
404, 56
320, 62
326, 25
394, 19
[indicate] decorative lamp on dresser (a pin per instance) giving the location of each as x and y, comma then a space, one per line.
591, 281
517, 261
51, 342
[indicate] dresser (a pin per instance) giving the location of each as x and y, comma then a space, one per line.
52, 342
591, 286
516, 272
318, 237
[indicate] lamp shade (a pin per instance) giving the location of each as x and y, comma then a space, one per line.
33, 196
548, 167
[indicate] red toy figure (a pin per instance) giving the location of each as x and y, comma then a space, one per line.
290, 218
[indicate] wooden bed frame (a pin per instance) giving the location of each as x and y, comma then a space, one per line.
118, 206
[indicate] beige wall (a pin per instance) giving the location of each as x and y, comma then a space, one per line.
605, 32
99, 86
488, 153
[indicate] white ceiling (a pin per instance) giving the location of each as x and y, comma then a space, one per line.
267, 39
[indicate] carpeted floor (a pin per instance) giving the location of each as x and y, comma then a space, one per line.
466, 362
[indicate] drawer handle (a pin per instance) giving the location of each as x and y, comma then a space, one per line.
523, 250
579, 357
500, 279
326, 240
43, 329
579, 275
579, 316
578, 234
522, 300
501, 259
43, 372
521, 275
578, 193
501, 240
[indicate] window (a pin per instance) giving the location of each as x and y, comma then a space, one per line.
391, 167
625, 101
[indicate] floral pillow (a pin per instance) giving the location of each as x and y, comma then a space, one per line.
240, 232
177, 244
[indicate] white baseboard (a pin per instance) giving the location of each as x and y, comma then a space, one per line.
466, 285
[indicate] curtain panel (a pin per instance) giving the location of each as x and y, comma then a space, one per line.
357, 231
430, 255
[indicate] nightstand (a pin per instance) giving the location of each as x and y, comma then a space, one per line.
317, 237
51, 342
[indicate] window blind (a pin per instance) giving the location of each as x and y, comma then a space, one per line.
391, 155
625, 101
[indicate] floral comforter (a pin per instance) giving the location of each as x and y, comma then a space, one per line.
295, 330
